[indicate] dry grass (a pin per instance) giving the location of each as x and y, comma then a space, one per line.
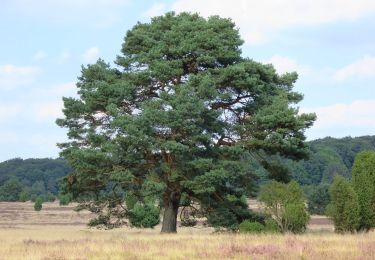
47, 235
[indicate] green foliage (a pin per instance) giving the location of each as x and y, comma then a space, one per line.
318, 198
363, 181
10, 190
23, 196
295, 217
180, 114
223, 217
49, 197
248, 226
144, 215
65, 199
329, 157
130, 200
285, 203
38, 204
271, 226
36, 177
227, 214
343, 208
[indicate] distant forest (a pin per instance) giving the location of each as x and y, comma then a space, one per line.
22, 180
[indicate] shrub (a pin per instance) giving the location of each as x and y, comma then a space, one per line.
271, 226
343, 208
38, 204
295, 217
23, 196
286, 204
144, 215
363, 174
64, 199
130, 200
248, 226
50, 197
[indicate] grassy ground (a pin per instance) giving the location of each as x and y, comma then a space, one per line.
49, 235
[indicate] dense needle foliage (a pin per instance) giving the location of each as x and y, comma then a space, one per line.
180, 116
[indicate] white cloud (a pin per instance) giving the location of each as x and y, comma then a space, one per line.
12, 76
359, 113
364, 67
285, 64
156, 10
259, 21
40, 55
91, 55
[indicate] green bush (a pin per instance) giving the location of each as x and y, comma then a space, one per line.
271, 226
50, 197
343, 208
248, 226
23, 196
64, 199
130, 200
38, 204
144, 215
296, 218
286, 204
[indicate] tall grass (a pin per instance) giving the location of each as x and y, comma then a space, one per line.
62, 242
59, 233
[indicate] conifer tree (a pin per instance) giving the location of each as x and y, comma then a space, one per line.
177, 119
343, 208
363, 179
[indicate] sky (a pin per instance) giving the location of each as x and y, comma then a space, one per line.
44, 43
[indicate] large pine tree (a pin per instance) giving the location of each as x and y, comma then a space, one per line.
176, 122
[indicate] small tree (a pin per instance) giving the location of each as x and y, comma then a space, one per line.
23, 196
343, 208
363, 174
285, 203
38, 204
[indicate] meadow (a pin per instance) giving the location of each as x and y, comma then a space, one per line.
60, 233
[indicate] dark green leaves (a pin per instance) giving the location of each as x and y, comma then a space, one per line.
180, 114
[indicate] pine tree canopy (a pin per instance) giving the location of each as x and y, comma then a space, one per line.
176, 123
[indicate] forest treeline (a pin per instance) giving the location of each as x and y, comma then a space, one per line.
328, 157
22, 180
28, 179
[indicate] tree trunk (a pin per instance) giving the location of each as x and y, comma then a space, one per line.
171, 204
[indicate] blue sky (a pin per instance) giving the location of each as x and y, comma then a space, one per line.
330, 43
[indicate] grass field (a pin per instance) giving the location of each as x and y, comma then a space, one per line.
59, 233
